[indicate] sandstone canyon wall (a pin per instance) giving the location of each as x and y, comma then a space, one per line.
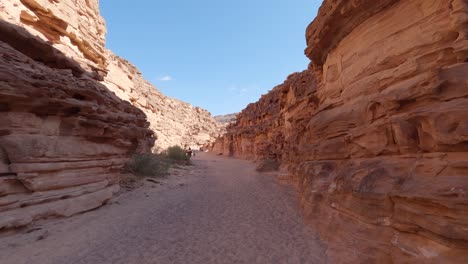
77, 29
374, 134
72, 113
174, 122
63, 136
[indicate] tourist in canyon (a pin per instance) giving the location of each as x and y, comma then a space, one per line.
189, 152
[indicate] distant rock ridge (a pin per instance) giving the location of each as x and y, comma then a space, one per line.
72, 112
173, 121
226, 119
374, 134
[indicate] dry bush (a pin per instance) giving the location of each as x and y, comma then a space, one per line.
149, 165
177, 153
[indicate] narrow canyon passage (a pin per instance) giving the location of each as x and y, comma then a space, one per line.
225, 212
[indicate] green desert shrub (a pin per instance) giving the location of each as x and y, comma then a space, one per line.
149, 165
177, 153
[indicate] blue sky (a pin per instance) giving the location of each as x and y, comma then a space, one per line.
219, 55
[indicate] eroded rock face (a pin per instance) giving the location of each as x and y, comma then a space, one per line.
72, 113
226, 119
77, 29
174, 122
64, 137
73, 27
374, 134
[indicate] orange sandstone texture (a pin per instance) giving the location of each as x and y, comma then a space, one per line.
72, 113
63, 136
76, 28
374, 134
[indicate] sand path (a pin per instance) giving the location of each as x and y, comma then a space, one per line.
223, 211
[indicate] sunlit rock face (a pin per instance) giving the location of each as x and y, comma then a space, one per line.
374, 134
72, 113
174, 122
73, 27
63, 135
77, 29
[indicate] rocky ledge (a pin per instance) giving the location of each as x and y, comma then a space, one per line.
64, 137
374, 135
77, 29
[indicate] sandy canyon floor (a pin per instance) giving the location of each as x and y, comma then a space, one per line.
219, 211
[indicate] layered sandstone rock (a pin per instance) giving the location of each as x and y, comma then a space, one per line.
77, 30
174, 122
64, 137
374, 134
73, 27
72, 113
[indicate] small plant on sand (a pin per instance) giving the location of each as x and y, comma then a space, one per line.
149, 165
157, 165
178, 154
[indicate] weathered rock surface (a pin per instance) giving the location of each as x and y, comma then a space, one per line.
174, 122
374, 134
63, 136
72, 113
73, 27
77, 30
226, 119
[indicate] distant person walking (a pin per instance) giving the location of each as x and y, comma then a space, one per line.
189, 152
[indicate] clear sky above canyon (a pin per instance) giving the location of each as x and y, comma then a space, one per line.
219, 55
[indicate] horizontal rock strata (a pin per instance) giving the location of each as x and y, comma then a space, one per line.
374, 134
64, 137
174, 122
72, 112
77, 29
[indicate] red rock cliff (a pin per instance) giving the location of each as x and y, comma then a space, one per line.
63, 136
374, 134
77, 29
71, 112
